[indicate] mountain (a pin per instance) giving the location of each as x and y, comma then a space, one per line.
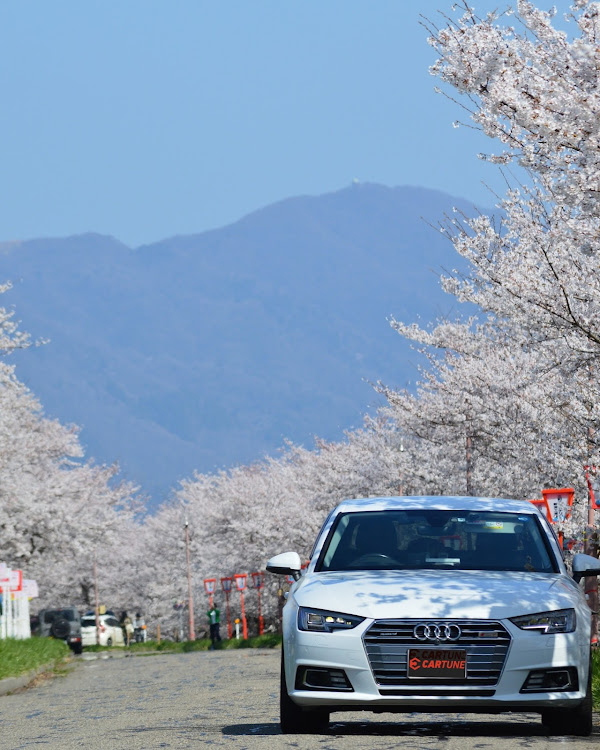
205, 351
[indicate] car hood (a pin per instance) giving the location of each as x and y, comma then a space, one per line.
435, 594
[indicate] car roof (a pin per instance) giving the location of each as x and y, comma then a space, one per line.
436, 502
93, 614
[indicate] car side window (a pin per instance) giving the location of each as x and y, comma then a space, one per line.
323, 527
549, 528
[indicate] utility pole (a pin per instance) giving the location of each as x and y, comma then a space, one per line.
469, 455
401, 485
97, 604
192, 633
591, 539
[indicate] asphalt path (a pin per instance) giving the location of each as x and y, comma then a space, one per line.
224, 699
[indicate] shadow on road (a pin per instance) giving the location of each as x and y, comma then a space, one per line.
525, 729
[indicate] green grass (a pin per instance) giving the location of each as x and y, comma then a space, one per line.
203, 644
596, 677
271, 640
19, 657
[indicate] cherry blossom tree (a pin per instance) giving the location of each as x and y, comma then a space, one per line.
517, 388
486, 420
56, 510
535, 91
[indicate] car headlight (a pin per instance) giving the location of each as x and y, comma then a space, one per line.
323, 621
559, 621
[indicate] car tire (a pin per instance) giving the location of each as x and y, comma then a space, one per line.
109, 642
60, 629
577, 722
77, 648
295, 720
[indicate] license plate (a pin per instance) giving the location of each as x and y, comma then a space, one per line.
426, 662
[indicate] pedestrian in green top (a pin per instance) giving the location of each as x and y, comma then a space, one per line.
214, 617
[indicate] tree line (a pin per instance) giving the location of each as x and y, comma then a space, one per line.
507, 400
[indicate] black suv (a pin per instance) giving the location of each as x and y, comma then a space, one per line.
64, 624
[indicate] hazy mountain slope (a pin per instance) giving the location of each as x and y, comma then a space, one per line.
203, 351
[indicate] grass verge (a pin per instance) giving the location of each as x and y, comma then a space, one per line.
271, 640
19, 657
596, 678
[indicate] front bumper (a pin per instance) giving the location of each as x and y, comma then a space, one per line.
345, 652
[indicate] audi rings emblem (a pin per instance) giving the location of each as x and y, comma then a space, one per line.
437, 632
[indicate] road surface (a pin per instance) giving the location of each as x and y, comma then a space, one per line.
224, 699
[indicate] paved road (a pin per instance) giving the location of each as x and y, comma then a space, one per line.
223, 699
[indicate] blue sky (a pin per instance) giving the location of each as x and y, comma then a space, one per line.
143, 119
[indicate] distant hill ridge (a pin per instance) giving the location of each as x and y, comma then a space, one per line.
205, 351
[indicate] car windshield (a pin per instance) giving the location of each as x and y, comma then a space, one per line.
59, 614
436, 539
88, 622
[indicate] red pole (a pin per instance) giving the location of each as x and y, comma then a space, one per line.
226, 584
244, 624
261, 624
240, 583
228, 617
591, 548
258, 579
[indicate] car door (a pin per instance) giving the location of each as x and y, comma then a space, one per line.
116, 632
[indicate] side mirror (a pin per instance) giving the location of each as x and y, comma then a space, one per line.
585, 565
286, 564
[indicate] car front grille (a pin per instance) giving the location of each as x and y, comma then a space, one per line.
387, 643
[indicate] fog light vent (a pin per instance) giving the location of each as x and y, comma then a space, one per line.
551, 680
322, 678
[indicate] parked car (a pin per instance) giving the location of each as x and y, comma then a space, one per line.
436, 604
111, 633
63, 623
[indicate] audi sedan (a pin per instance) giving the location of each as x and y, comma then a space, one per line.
448, 604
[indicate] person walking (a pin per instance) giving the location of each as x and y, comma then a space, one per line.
127, 626
139, 628
214, 618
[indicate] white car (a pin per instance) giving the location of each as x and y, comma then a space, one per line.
453, 604
111, 633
